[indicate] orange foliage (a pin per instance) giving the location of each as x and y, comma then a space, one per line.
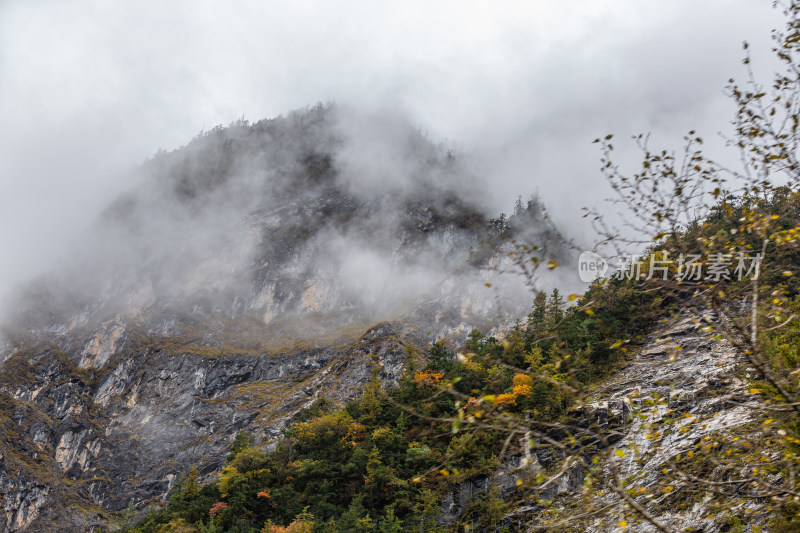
522, 385
472, 402
431, 379
521, 379
522, 390
505, 399
219, 506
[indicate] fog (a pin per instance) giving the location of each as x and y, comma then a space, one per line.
89, 90
327, 211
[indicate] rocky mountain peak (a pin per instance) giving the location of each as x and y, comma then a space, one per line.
258, 269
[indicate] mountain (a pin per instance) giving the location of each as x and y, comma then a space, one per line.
247, 276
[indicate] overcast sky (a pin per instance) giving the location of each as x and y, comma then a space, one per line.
89, 89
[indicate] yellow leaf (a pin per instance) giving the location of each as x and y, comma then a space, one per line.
572, 297
589, 312
768, 421
619, 453
551, 264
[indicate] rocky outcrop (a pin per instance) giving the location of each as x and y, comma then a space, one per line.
86, 444
684, 386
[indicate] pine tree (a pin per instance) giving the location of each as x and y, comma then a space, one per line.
390, 523
555, 308
536, 318
519, 209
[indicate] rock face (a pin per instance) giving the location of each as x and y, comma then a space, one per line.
254, 271
686, 377
681, 387
680, 374
83, 443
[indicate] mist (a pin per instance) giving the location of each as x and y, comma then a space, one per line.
308, 222
90, 91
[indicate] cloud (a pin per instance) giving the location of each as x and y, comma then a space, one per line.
91, 88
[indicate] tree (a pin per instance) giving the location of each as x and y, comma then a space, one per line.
691, 214
744, 220
242, 440
390, 523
